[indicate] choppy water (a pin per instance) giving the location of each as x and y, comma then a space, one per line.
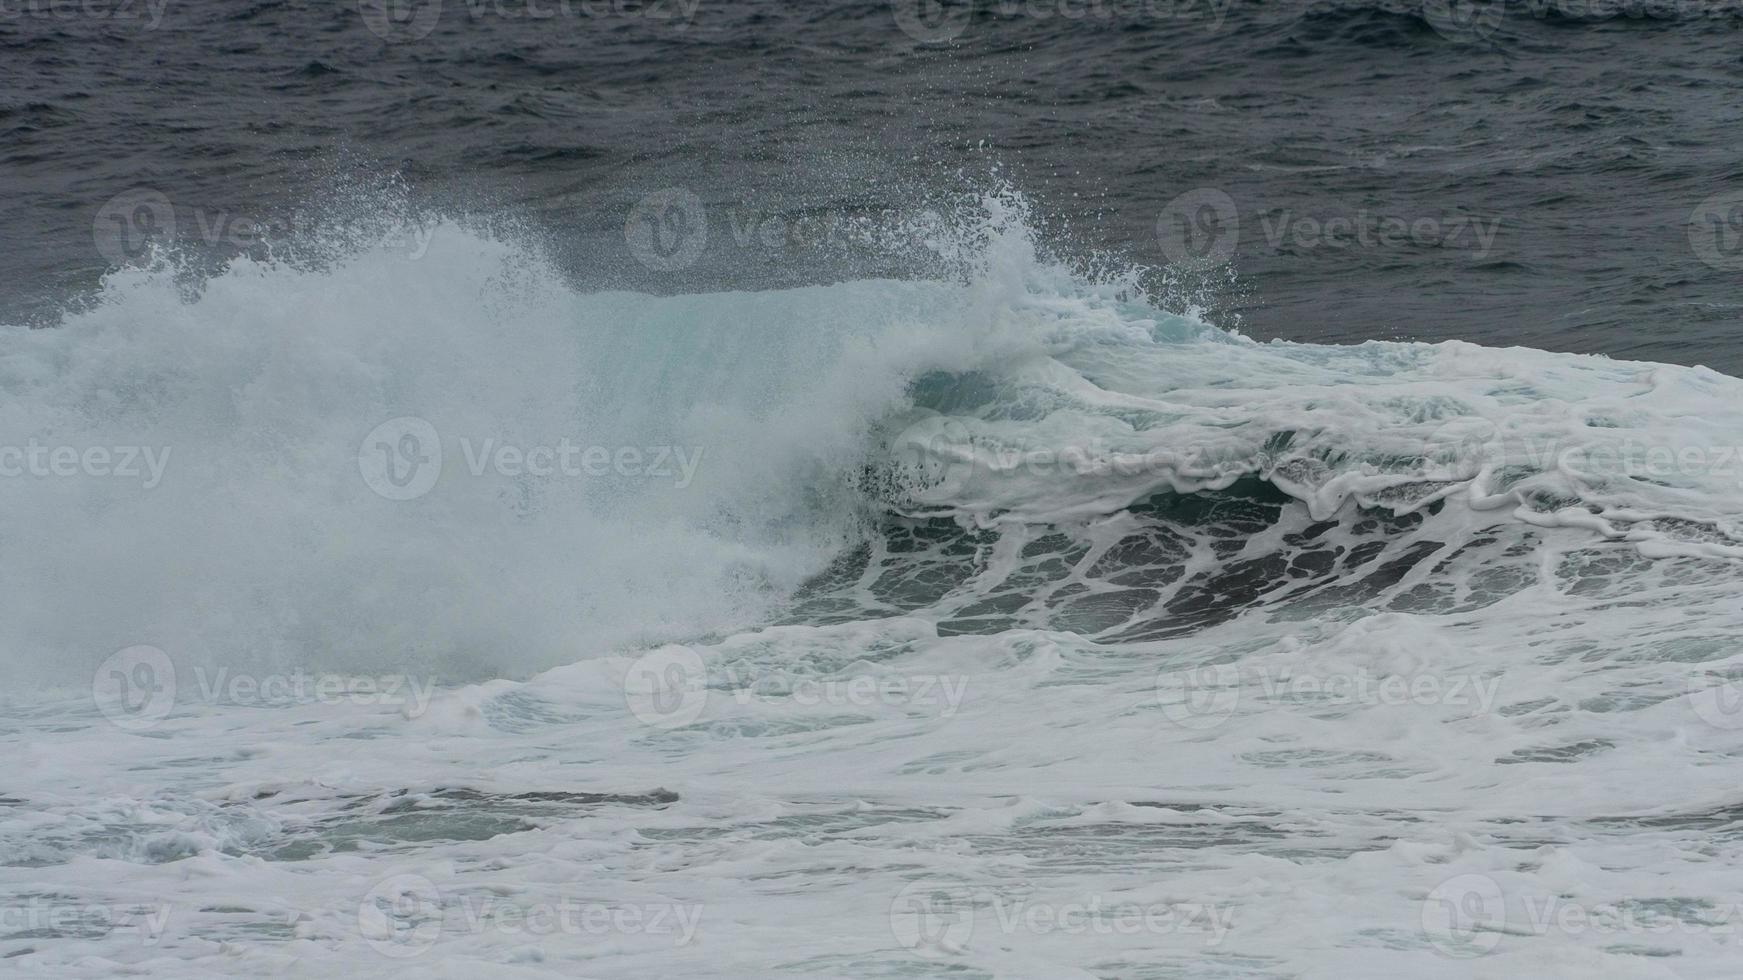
747, 493
1549, 156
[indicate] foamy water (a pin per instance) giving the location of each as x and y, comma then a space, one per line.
1001, 627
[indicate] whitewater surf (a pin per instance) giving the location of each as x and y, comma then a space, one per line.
479, 622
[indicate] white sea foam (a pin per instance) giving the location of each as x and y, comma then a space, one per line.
1517, 758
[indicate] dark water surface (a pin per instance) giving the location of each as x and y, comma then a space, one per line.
1562, 174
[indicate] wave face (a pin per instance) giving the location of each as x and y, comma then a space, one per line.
1465, 614
767, 433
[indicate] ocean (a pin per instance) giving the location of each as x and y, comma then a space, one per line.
1060, 488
